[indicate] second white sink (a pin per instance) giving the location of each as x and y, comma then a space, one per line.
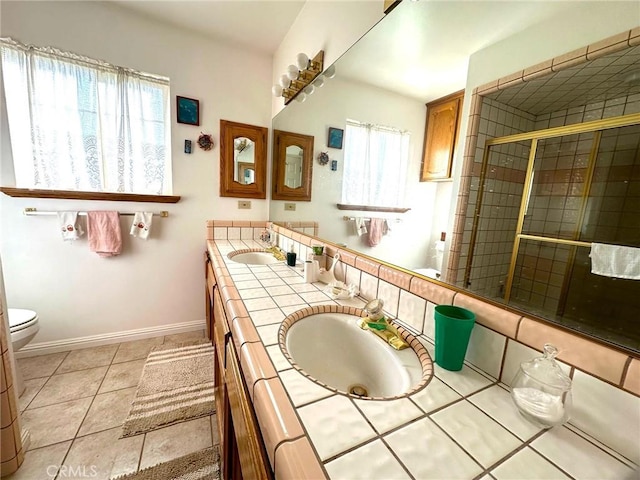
254, 258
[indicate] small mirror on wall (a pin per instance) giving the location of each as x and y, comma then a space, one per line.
292, 166
243, 160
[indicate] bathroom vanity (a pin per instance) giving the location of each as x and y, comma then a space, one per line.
276, 422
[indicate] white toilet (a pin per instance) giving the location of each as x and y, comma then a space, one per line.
23, 325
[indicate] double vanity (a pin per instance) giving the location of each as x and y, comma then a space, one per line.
304, 392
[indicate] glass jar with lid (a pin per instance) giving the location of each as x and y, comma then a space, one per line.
542, 391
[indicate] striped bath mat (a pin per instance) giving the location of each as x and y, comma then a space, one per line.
176, 385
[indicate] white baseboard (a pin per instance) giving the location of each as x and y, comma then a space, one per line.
77, 343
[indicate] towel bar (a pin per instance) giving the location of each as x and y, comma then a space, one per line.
34, 211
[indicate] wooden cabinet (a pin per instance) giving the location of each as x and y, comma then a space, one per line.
441, 135
292, 166
242, 452
209, 284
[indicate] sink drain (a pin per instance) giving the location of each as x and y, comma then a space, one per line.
358, 390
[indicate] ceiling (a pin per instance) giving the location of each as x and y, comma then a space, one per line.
254, 24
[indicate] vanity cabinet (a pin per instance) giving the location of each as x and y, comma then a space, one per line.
242, 452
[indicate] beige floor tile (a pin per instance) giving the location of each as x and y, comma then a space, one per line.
55, 423
136, 350
184, 337
215, 437
88, 358
108, 410
104, 455
69, 386
122, 375
40, 366
42, 463
31, 389
175, 441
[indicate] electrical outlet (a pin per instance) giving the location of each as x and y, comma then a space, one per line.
290, 206
244, 204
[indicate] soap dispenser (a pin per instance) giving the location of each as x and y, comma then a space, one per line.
542, 391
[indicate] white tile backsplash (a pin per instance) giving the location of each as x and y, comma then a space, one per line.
353, 276
485, 349
220, 233
412, 310
607, 413
233, 233
368, 286
390, 295
429, 327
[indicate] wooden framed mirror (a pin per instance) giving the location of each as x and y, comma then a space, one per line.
243, 160
292, 166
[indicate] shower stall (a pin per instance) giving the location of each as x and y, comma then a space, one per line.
543, 197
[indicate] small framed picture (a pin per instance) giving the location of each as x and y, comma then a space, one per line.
335, 137
188, 110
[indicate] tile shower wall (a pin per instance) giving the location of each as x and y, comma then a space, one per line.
503, 188
502, 340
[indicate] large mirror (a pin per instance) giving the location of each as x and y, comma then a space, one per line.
381, 86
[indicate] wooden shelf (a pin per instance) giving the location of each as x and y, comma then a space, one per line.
369, 208
76, 195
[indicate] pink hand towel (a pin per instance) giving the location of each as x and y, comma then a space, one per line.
103, 230
377, 228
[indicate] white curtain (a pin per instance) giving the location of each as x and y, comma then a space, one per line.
81, 124
375, 165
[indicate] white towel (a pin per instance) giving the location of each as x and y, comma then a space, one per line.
141, 226
69, 227
615, 261
359, 226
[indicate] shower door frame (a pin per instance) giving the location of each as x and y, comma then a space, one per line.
596, 126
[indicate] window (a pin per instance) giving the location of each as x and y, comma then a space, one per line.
82, 124
375, 165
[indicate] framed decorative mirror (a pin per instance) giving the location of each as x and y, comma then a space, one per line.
243, 160
292, 166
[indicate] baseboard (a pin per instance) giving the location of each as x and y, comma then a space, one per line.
42, 348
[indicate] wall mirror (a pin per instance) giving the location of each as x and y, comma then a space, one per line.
361, 91
243, 160
292, 166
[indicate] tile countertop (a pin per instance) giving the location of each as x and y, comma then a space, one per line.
462, 425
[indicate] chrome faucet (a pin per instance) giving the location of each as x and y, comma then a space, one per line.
376, 322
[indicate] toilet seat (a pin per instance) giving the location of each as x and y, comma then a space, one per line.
20, 319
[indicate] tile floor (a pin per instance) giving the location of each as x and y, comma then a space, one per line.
75, 403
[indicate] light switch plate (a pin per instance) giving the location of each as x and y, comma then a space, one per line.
290, 206
244, 204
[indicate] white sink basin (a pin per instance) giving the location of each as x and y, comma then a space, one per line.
331, 348
254, 258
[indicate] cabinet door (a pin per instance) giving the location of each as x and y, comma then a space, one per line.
440, 137
210, 282
221, 336
251, 455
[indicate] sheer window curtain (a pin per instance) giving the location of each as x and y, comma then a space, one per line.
81, 124
375, 165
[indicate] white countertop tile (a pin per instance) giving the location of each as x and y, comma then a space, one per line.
247, 284
330, 437
485, 439
372, 461
279, 290
269, 333
272, 282
497, 402
289, 300
301, 390
430, 454
527, 465
580, 458
266, 317
434, 396
389, 414
278, 359
465, 381
253, 293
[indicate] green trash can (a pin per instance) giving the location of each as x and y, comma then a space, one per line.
453, 329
